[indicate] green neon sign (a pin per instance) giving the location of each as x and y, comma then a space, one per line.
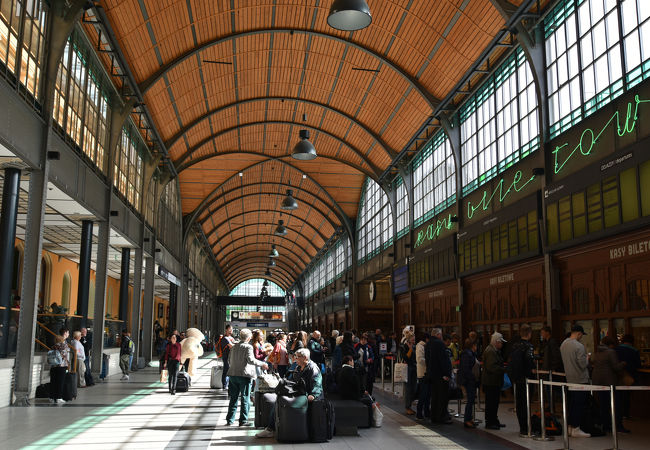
485, 201
589, 138
432, 232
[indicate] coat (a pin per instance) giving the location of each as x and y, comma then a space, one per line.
242, 361
606, 367
420, 358
493, 368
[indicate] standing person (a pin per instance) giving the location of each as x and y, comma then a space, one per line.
332, 341
492, 380
225, 344
606, 371
439, 373
550, 351
407, 354
87, 342
366, 364
468, 374
57, 372
81, 358
172, 358
424, 387
278, 356
126, 351
316, 349
627, 353
454, 347
522, 361
241, 371
576, 367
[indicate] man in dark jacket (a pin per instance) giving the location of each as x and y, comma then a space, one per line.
87, 342
521, 365
492, 380
347, 380
627, 353
316, 349
439, 374
550, 352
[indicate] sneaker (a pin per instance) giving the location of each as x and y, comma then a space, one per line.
126, 377
578, 433
245, 423
52, 401
60, 401
229, 423
265, 433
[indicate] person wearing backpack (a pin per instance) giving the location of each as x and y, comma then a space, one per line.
224, 345
126, 352
57, 357
520, 366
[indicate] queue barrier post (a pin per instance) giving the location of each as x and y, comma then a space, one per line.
383, 372
543, 436
613, 406
530, 426
392, 375
551, 406
565, 424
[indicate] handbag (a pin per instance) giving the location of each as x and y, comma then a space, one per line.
288, 388
507, 384
377, 415
267, 382
164, 374
400, 373
54, 358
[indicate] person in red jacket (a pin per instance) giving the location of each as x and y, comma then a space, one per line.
172, 360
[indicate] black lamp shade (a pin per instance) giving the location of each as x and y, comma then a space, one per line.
280, 230
273, 253
289, 203
349, 15
304, 149
267, 273
271, 263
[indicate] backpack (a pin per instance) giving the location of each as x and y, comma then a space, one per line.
218, 348
54, 358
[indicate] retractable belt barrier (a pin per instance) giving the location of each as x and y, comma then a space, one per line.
573, 387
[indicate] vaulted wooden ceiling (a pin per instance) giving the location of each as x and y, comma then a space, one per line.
229, 83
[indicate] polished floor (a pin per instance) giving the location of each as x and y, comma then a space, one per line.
141, 414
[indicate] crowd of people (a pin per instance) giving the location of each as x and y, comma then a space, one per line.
69, 355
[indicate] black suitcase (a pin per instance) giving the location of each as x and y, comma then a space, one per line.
291, 419
321, 420
182, 382
70, 386
264, 402
43, 390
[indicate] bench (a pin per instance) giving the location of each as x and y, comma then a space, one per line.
349, 415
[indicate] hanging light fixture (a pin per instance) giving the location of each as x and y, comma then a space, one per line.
265, 284
280, 230
349, 15
268, 272
289, 203
304, 149
271, 262
273, 253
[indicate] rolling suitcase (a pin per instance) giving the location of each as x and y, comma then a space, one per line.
182, 381
291, 419
321, 420
215, 377
264, 402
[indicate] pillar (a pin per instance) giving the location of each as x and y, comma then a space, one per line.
8, 218
147, 310
124, 286
135, 304
173, 307
103, 240
84, 270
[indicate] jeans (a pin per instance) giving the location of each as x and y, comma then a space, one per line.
239, 385
124, 364
470, 388
577, 402
424, 398
521, 407
224, 377
492, 399
172, 370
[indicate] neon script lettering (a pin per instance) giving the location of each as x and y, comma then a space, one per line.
432, 232
589, 137
486, 201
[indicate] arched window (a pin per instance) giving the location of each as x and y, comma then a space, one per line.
403, 219
44, 284
252, 288
109, 302
375, 221
65, 291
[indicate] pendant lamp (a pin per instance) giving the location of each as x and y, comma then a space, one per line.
304, 149
289, 203
273, 253
280, 230
349, 15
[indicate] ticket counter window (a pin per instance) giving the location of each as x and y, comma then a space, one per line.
641, 332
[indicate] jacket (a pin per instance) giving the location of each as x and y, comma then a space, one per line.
316, 351
632, 359
574, 358
312, 378
365, 354
348, 383
173, 351
466, 366
493, 368
242, 361
420, 359
606, 367
438, 363
551, 356
126, 347
522, 361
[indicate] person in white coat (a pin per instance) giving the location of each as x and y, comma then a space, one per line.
424, 387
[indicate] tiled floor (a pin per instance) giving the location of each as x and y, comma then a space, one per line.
141, 414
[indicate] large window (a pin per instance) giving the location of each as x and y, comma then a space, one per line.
128, 166
375, 222
168, 225
28, 15
81, 100
328, 267
403, 222
499, 123
585, 45
253, 288
434, 179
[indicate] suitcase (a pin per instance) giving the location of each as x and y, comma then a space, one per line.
321, 421
70, 386
43, 391
106, 359
182, 381
291, 423
215, 377
264, 402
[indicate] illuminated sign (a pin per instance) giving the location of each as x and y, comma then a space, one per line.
589, 138
255, 316
432, 232
485, 201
